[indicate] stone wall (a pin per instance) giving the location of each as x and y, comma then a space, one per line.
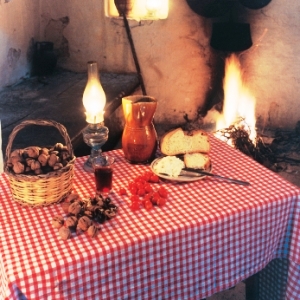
178, 65
19, 27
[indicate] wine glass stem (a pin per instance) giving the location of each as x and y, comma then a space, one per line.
96, 152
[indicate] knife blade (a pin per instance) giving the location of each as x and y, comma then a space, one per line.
203, 172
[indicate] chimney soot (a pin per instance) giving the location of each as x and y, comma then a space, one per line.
228, 36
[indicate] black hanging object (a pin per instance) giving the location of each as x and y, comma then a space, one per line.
231, 36
44, 59
255, 4
210, 8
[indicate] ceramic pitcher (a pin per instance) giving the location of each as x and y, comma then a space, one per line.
139, 139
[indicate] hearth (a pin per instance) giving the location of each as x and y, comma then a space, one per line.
233, 120
278, 149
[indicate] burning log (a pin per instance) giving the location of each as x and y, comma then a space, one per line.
239, 137
278, 151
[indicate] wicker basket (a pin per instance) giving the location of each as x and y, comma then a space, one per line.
44, 189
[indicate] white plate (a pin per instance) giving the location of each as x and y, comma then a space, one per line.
178, 178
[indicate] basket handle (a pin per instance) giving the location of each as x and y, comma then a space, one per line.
40, 122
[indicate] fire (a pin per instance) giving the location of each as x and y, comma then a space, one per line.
238, 101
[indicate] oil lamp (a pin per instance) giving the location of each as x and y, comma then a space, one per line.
95, 134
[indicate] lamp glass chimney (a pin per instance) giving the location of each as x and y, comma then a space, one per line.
94, 98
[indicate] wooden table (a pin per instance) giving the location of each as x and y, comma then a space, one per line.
209, 236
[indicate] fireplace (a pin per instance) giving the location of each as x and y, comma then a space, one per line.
178, 64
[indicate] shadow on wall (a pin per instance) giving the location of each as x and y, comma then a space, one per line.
13, 57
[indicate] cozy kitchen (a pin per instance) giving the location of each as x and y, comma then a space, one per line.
150, 149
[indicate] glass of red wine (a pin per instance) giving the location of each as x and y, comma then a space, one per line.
103, 170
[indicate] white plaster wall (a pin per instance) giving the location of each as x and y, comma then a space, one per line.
177, 62
173, 53
272, 65
19, 26
175, 57
84, 36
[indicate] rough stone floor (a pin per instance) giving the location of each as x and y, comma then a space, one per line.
57, 97
237, 293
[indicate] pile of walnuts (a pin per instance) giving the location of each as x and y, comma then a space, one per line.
83, 215
36, 160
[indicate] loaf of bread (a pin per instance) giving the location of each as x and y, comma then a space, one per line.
177, 141
197, 161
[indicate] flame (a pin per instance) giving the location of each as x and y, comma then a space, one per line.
239, 103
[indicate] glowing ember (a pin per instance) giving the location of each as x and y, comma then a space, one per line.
239, 104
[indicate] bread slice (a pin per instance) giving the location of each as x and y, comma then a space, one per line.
197, 161
177, 142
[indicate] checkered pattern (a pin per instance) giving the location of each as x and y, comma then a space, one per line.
210, 235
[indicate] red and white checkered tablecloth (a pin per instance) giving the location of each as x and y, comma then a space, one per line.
210, 235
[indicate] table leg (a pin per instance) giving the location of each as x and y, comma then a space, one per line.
252, 287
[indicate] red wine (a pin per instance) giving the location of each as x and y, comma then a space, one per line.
103, 178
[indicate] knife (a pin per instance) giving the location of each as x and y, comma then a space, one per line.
191, 171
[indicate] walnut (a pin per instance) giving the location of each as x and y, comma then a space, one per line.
33, 152
65, 206
44, 151
57, 166
99, 200
91, 208
53, 159
65, 233
18, 168
71, 223
92, 231
43, 159
84, 223
35, 165
57, 221
16, 158
74, 208
72, 197
29, 161
17, 152
58, 146
110, 213
52, 151
89, 213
